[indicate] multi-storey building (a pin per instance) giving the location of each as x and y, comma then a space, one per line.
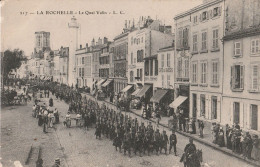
182, 62
206, 60
56, 67
241, 81
120, 61
84, 67
42, 43
143, 44
63, 64
164, 87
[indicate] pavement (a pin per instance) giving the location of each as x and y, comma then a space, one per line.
206, 140
212, 154
77, 147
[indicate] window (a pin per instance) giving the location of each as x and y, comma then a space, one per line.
132, 40
255, 74
215, 72
180, 39
179, 67
163, 81
186, 68
236, 112
255, 46
202, 105
204, 41
131, 76
156, 68
214, 105
254, 117
195, 43
132, 58
142, 40
195, 19
79, 72
151, 67
185, 37
215, 39
194, 72
138, 73
237, 77
204, 16
215, 11
203, 72
141, 74
146, 66
162, 61
140, 55
168, 60
82, 72
168, 81
237, 49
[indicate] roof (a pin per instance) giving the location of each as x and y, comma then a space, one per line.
252, 31
197, 8
121, 35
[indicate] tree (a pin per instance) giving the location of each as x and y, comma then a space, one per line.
11, 60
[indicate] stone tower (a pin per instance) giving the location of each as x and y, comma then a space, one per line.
73, 32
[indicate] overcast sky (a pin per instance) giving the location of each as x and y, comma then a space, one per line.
18, 29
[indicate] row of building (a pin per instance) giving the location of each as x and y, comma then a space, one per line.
209, 65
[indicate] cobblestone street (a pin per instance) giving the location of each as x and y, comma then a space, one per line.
77, 147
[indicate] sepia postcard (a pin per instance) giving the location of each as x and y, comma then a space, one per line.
122, 83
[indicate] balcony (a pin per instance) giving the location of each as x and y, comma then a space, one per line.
150, 78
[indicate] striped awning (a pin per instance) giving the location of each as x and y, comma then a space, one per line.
107, 83
101, 82
143, 91
135, 92
178, 101
128, 87
159, 94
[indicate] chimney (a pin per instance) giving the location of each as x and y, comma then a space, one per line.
86, 45
129, 24
80, 46
93, 42
99, 41
105, 40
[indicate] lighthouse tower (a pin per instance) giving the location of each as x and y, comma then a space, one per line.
73, 32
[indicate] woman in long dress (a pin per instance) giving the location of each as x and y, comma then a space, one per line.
221, 139
255, 154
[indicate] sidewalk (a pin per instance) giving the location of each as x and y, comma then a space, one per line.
206, 140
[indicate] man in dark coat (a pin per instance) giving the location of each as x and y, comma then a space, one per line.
173, 142
164, 141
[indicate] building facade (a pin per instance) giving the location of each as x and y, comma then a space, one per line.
182, 63
206, 62
241, 85
120, 54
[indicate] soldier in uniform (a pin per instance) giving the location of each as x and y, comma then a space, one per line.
138, 143
147, 143
98, 130
164, 141
127, 142
173, 142
117, 142
156, 143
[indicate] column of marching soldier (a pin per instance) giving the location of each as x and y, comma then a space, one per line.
125, 132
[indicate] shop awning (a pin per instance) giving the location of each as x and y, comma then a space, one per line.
107, 83
135, 92
128, 87
159, 94
142, 92
101, 81
177, 102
